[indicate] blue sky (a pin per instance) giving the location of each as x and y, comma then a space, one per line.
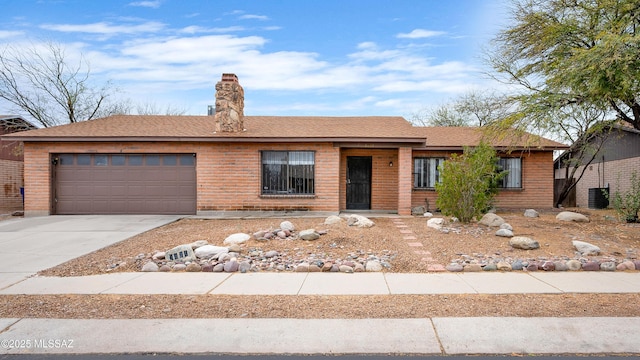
293, 57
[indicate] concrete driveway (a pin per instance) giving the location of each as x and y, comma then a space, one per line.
33, 244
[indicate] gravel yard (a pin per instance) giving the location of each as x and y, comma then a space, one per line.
471, 243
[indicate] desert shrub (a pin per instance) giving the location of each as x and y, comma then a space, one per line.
469, 182
627, 203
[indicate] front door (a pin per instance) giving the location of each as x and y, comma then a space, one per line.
359, 182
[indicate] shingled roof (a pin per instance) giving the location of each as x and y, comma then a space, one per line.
455, 138
257, 129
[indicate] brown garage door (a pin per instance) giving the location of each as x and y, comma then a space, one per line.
124, 184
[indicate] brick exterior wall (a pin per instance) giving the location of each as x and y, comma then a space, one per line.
12, 180
537, 183
603, 175
229, 176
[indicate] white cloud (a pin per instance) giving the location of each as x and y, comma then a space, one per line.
420, 34
254, 17
150, 4
5, 34
106, 28
202, 30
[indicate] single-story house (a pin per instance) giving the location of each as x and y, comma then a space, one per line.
618, 155
231, 162
11, 163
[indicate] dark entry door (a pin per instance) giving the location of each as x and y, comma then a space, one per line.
359, 182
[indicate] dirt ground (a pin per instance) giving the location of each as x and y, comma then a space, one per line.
616, 239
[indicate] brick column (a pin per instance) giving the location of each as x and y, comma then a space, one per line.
404, 180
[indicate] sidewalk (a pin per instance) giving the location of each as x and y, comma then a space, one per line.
267, 283
425, 336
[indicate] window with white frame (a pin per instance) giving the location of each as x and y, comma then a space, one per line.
425, 172
288, 172
513, 178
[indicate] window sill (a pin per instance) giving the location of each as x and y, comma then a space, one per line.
287, 196
511, 189
424, 189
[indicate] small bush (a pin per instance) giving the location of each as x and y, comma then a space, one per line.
627, 203
469, 183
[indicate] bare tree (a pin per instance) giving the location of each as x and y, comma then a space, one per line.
40, 81
470, 109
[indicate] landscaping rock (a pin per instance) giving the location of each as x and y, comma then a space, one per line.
287, 225
504, 233
490, 267
302, 267
591, 266
210, 251
574, 265
435, 223
271, 254
548, 266
244, 266
165, 268
207, 268
560, 266
373, 266
150, 267
235, 248
517, 265
524, 243
571, 216
637, 263
194, 267
472, 268
218, 267
506, 226
532, 266
237, 238
231, 266
309, 235
345, 269
359, 221
492, 220
504, 266
608, 266
531, 213
427, 214
179, 267
333, 219
626, 265
159, 255
198, 243
585, 248
454, 267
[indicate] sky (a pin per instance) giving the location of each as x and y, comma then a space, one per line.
292, 57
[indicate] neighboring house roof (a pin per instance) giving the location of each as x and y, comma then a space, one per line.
455, 138
258, 129
14, 123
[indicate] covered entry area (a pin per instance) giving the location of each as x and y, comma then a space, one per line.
123, 184
375, 179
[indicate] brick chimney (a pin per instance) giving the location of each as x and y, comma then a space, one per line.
229, 115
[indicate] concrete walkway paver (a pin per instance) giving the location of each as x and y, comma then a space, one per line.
592, 281
228, 336
538, 335
170, 283
94, 284
344, 284
261, 284
439, 283
507, 283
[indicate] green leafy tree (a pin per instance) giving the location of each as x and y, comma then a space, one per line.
469, 182
565, 52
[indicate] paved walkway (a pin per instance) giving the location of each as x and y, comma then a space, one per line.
266, 283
